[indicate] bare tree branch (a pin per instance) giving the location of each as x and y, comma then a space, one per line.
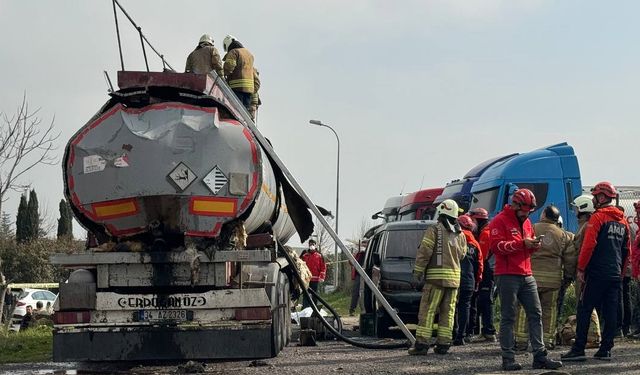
24, 144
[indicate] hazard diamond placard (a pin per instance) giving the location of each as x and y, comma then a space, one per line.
182, 176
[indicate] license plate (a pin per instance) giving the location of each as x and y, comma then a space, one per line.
160, 315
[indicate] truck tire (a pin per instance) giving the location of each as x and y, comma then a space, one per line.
281, 315
383, 322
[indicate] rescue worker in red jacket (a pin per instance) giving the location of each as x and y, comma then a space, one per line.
470, 276
437, 274
483, 297
317, 267
513, 242
601, 266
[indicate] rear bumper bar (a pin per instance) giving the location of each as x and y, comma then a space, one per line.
163, 343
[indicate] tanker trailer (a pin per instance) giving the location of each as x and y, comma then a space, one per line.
186, 214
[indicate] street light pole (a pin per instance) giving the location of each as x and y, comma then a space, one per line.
319, 123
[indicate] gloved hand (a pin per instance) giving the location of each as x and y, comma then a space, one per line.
417, 280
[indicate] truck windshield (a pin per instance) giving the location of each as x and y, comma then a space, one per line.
452, 189
403, 243
486, 199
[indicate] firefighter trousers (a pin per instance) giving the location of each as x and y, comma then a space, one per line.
549, 303
440, 301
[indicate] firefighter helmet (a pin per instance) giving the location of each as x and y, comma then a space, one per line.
525, 198
206, 38
605, 188
466, 222
584, 203
479, 213
448, 207
227, 42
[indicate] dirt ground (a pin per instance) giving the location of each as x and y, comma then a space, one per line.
332, 357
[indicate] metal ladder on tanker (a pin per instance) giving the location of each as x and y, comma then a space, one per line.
266, 146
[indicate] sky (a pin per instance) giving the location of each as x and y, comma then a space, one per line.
419, 92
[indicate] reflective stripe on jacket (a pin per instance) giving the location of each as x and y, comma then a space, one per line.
238, 70
556, 254
439, 256
507, 243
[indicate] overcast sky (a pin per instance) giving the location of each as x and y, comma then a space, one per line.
415, 89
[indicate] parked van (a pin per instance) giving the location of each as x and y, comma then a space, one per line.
552, 173
389, 261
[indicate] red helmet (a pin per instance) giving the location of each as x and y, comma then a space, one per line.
466, 222
525, 198
479, 213
605, 188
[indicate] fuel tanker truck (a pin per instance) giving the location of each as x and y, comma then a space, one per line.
186, 217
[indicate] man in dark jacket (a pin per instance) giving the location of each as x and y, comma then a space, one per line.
513, 242
601, 265
484, 295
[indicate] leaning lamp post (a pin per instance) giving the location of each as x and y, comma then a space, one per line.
319, 123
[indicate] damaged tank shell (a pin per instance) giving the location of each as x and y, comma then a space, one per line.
163, 159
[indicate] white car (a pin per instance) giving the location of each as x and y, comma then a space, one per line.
30, 297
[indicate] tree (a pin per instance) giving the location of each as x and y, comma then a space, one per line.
22, 230
6, 231
24, 143
33, 216
65, 224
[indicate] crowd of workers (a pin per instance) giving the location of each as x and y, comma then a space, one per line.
463, 257
236, 67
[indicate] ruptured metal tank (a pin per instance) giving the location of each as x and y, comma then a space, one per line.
167, 158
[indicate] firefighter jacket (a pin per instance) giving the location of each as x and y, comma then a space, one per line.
203, 60
471, 265
439, 256
579, 237
507, 243
556, 255
316, 264
255, 98
606, 245
238, 70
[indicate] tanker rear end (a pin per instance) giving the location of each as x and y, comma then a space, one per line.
186, 215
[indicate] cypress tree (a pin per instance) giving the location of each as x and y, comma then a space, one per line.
6, 232
22, 221
65, 226
33, 218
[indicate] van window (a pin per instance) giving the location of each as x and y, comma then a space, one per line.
486, 199
403, 243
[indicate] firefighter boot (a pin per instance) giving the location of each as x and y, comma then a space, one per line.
441, 349
419, 348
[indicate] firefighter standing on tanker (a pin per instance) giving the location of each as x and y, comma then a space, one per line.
554, 262
513, 242
204, 58
470, 277
601, 266
238, 70
437, 269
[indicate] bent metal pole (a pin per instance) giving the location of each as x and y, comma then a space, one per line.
266, 146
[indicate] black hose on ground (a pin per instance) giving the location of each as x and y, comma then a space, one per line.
330, 327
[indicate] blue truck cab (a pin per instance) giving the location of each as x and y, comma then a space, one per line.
552, 173
460, 190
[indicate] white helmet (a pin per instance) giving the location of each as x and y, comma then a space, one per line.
448, 207
584, 203
227, 42
560, 221
206, 38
